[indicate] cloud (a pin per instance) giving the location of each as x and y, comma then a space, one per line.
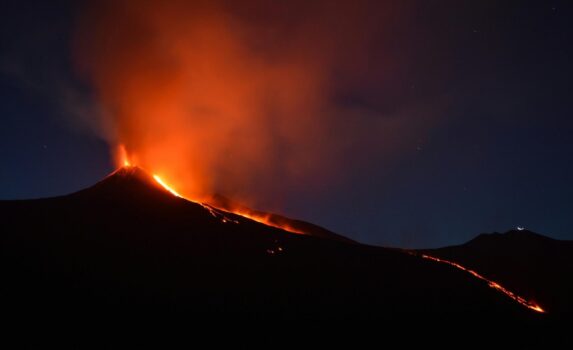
256, 99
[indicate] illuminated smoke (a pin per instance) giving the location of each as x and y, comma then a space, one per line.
237, 99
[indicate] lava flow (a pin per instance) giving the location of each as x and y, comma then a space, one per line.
528, 304
167, 187
263, 218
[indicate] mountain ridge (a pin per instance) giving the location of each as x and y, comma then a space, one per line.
127, 244
529, 263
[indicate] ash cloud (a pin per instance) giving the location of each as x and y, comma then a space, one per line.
255, 100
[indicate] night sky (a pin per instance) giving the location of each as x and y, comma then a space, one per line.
488, 147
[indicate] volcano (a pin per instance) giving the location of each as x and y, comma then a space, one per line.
128, 244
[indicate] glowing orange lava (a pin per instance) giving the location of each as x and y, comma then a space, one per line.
216, 212
265, 219
167, 187
123, 159
528, 304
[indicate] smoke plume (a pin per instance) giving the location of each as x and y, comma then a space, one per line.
243, 99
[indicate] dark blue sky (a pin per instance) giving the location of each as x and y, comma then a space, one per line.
500, 156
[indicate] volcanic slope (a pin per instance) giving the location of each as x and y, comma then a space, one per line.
536, 267
127, 244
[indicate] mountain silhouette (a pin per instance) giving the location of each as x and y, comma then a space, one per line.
126, 245
534, 266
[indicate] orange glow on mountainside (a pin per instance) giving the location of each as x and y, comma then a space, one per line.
528, 304
166, 186
263, 218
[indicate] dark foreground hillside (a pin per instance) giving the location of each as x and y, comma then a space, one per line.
127, 246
